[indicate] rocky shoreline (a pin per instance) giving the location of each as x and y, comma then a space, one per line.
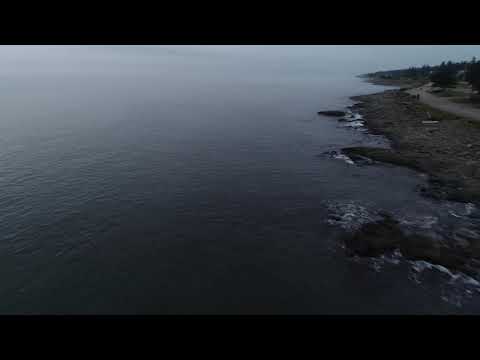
444, 147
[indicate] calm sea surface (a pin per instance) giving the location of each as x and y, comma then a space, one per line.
191, 180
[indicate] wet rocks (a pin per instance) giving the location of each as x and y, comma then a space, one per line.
352, 159
383, 236
375, 238
355, 105
351, 117
354, 124
379, 154
445, 151
361, 160
358, 105
350, 216
334, 113
425, 139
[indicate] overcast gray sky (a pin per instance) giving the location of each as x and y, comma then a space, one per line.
349, 59
388, 56
373, 57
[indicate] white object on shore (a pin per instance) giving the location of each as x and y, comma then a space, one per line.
430, 122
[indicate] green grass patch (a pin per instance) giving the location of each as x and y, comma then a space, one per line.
381, 155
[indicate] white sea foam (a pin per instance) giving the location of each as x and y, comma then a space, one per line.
456, 287
466, 211
470, 208
421, 265
354, 124
350, 215
422, 222
344, 158
353, 116
454, 215
456, 290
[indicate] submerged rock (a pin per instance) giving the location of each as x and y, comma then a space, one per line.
332, 113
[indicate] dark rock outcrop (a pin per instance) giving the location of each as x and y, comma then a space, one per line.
384, 236
374, 239
335, 113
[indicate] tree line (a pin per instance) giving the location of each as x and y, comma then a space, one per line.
447, 74
472, 75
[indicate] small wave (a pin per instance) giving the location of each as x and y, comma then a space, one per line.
421, 265
422, 222
351, 116
339, 156
462, 212
454, 215
354, 124
378, 263
458, 288
350, 215
344, 158
470, 208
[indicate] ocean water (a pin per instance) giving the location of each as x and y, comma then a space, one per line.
191, 180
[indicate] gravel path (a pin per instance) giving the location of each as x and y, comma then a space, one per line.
445, 104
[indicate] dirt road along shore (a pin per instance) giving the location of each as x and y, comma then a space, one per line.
444, 104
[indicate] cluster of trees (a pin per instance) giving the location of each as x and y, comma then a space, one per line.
423, 72
417, 73
445, 75
472, 74
413, 72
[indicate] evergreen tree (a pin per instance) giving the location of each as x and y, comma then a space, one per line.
473, 74
444, 75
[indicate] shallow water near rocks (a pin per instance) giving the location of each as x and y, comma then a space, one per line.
180, 181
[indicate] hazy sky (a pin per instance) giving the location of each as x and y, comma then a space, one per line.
388, 56
352, 59
372, 57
